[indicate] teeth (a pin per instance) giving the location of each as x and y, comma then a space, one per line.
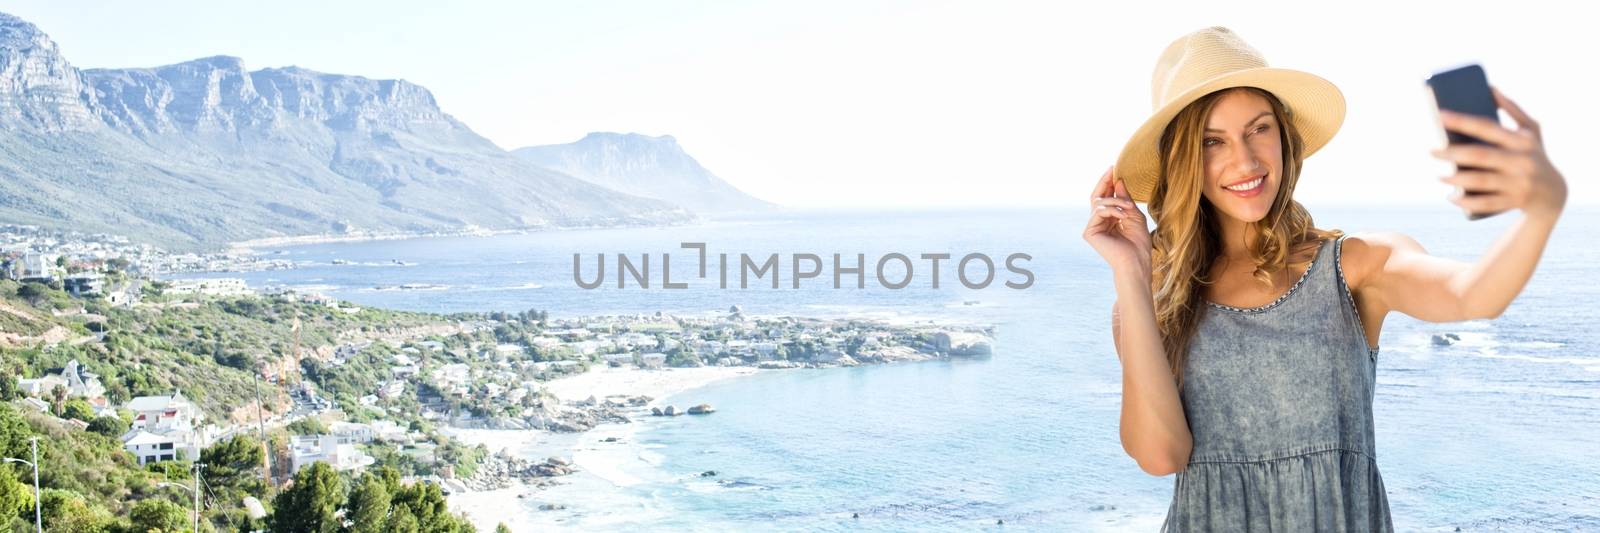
1245, 186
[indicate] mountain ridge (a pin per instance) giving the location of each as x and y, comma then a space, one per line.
204, 152
651, 166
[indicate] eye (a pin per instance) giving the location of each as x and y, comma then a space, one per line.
1263, 128
1208, 141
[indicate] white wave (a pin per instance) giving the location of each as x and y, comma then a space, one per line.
408, 287
315, 287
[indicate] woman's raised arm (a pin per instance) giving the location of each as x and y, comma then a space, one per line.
1513, 172
1154, 430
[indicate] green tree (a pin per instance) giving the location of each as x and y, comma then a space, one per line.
68, 512
78, 408
14, 432
426, 503
155, 515
501, 528
369, 505
309, 504
33, 292
58, 399
233, 467
308, 426
402, 521
8, 386
110, 426
15, 496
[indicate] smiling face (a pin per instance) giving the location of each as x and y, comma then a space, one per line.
1243, 154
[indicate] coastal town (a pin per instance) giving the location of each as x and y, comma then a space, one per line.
356, 388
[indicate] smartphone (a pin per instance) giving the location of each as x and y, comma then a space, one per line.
1465, 89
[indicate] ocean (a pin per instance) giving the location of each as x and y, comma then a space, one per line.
1495, 432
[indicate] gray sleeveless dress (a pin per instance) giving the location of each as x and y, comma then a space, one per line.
1279, 401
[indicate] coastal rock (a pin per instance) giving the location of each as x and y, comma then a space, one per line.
500, 470
702, 409
670, 411
1445, 339
893, 354
577, 418
962, 343
623, 400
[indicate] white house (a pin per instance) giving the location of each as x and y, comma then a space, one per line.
163, 413
351, 432
149, 447
307, 449
79, 383
391, 389
34, 267
389, 431
210, 286
166, 428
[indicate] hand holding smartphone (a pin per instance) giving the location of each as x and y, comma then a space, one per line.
1465, 89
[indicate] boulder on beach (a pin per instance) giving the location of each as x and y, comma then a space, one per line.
671, 411
1445, 339
962, 343
702, 409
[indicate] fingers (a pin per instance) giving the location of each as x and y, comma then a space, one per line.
1523, 120
1122, 190
1483, 128
1481, 203
1103, 219
1475, 155
1114, 202
1474, 180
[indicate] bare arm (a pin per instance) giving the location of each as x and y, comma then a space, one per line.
1512, 172
1153, 429
1438, 289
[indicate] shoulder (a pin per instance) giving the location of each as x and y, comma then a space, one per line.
1364, 253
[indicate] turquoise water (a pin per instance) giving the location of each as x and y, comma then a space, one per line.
1496, 432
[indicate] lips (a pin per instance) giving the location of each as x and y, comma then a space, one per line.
1261, 176
1257, 184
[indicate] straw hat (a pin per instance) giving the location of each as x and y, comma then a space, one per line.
1209, 60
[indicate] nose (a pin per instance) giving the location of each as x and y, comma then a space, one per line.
1244, 160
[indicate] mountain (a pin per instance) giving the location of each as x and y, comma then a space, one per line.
200, 153
654, 167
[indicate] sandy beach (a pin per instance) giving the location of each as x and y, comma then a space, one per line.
603, 381
602, 466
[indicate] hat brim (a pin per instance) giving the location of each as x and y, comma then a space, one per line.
1317, 105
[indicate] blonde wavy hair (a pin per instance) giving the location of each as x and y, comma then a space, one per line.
1187, 237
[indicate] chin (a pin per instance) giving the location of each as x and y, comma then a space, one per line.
1248, 209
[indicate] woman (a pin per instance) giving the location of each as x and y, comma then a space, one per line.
1248, 337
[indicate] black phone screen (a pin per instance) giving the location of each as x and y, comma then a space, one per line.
1465, 90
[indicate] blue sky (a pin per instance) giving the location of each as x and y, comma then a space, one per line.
866, 103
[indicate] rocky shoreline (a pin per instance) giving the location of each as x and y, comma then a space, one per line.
501, 470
